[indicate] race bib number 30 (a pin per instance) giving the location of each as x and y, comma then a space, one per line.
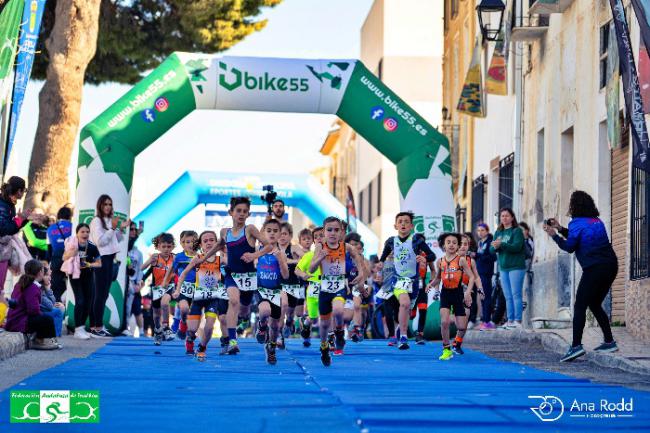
332, 283
273, 296
187, 289
405, 284
246, 282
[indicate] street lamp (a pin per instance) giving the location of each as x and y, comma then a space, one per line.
490, 11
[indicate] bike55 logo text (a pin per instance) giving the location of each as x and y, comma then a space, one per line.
54, 407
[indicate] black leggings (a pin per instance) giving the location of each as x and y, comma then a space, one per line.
42, 325
592, 290
391, 310
58, 278
103, 281
82, 288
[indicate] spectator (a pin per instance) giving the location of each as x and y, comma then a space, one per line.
529, 249
485, 266
473, 310
10, 222
134, 271
25, 315
81, 258
57, 233
587, 237
508, 244
49, 305
35, 236
106, 233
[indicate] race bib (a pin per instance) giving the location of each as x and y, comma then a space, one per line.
205, 294
157, 292
404, 283
222, 292
381, 294
332, 283
187, 289
246, 282
357, 293
294, 290
313, 290
273, 296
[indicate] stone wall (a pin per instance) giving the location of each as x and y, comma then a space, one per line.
637, 308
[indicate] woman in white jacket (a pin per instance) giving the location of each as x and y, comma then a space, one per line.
106, 233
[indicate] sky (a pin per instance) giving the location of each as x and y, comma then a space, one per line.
279, 142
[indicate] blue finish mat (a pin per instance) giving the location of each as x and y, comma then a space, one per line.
371, 388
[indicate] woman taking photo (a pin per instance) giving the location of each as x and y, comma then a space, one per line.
587, 237
508, 244
485, 267
81, 258
10, 222
106, 234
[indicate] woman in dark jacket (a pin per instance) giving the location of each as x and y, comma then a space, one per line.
10, 222
587, 237
485, 267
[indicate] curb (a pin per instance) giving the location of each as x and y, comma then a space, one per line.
556, 344
11, 344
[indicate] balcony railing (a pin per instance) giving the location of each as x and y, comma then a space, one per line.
548, 6
529, 28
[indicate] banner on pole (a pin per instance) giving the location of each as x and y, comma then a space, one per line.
613, 91
631, 89
472, 99
496, 82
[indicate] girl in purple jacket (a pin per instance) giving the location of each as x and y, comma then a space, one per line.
25, 315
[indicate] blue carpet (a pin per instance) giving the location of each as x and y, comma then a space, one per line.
372, 388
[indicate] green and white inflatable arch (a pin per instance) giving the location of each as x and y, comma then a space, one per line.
186, 82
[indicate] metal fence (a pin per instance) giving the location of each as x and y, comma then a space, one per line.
639, 257
506, 181
478, 200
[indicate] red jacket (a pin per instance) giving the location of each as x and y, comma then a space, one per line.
28, 303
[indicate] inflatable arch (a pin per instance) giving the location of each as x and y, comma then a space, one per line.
186, 82
196, 187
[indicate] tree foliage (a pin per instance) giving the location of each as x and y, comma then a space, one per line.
135, 36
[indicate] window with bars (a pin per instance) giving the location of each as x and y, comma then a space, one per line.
639, 255
478, 200
506, 181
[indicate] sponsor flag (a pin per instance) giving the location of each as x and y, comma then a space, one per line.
642, 11
9, 24
29, 30
496, 81
612, 92
631, 89
351, 212
472, 99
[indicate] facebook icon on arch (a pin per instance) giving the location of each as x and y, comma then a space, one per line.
148, 115
377, 113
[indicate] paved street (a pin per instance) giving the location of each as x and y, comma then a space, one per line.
372, 388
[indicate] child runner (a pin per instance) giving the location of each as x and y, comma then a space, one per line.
406, 248
310, 316
362, 297
305, 241
354, 239
206, 296
293, 293
241, 275
271, 269
160, 263
465, 243
330, 257
450, 270
181, 261
421, 304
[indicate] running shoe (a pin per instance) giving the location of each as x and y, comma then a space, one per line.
339, 340
573, 353
506, 326
362, 333
168, 334
355, 334
157, 337
261, 333
175, 325
98, 334
515, 325
325, 357
306, 343
447, 354
189, 347
182, 331
269, 348
470, 325
490, 326
305, 332
330, 340
607, 347
280, 343
243, 326
419, 339
457, 349
392, 341
233, 348
201, 356
403, 343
